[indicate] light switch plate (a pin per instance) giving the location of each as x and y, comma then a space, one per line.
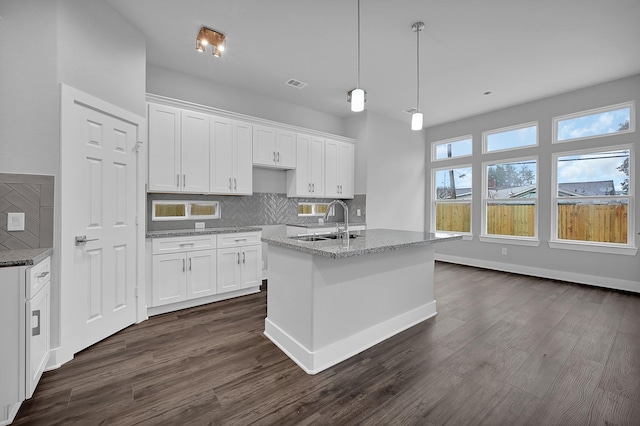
199, 225
15, 221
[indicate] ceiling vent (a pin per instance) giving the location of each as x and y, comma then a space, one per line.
410, 110
296, 83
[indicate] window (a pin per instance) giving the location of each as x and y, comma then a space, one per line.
507, 138
510, 200
593, 199
312, 209
452, 148
185, 210
452, 199
594, 123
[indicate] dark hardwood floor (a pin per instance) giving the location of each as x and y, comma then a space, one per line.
504, 349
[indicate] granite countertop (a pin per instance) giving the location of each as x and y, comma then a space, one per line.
323, 225
205, 231
23, 257
365, 242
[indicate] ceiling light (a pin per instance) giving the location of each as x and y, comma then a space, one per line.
417, 118
357, 96
208, 36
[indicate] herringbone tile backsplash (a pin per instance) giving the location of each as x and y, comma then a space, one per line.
33, 196
253, 210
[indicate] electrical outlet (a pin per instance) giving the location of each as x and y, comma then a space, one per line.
358, 212
504, 251
15, 221
199, 225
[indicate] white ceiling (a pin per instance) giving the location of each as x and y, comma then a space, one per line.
520, 50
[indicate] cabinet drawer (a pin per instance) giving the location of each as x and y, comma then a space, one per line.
238, 239
182, 244
38, 276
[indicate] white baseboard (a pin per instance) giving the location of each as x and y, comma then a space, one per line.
313, 362
606, 282
10, 414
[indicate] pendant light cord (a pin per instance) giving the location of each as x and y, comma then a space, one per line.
358, 76
418, 68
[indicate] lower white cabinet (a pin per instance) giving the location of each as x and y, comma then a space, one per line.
25, 304
183, 276
239, 267
191, 270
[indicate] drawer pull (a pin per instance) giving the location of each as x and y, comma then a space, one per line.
238, 258
240, 239
44, 274
186, 244
35, 331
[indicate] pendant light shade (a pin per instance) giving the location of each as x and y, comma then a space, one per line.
357, 96
417, 117
416, 121
357, 100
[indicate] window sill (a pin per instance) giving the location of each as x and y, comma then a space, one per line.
597, 248
510, 240
465, 236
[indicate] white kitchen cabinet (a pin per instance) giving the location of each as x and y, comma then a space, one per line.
239, 261
25, 329
307, 180
231, 157
178, 150
274, 148
183, 269
339, 169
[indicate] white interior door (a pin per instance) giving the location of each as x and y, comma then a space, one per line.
98, 203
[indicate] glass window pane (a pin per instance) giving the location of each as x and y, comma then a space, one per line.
170, 210
603, 221
601, 123
454, 149
513, 219
594, 174
518, 138
453, 184
453, 217
512, 180
203, 209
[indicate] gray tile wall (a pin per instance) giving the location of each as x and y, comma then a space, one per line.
256, 209
33, 196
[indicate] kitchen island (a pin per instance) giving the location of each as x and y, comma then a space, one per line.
330, 299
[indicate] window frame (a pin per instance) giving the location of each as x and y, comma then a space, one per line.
435, 144
632, 121
485, 200
187, 210
434, 199
595, 246
487, 133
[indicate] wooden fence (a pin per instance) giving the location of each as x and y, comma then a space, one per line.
606, 223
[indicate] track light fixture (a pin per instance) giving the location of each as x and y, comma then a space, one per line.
207, 36
416, 118
357, 96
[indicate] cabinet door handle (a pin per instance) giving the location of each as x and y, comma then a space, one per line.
309, 189
274, 156
278, 156
183, 265
35, 331
313, 187
44, 274
189, 264
230, 186
178, 181
184, 180
235, 183
244, 257
238, 258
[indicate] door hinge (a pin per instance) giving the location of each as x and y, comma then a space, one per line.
136, 291
137, 223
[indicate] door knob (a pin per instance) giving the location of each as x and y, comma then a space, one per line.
82, 240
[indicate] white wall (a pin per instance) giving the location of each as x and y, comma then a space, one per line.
618, 271
390, 169
165, 82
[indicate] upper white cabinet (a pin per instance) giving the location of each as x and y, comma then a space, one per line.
231, 156
339, 169
274, 148
178, 150
307, 180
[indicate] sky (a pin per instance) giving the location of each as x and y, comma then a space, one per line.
594, 124
593, 167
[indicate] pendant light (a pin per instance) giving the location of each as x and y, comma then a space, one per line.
416, 117
357, 96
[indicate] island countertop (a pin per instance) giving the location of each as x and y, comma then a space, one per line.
365, 242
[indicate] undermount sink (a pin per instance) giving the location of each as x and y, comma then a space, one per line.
323, 237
